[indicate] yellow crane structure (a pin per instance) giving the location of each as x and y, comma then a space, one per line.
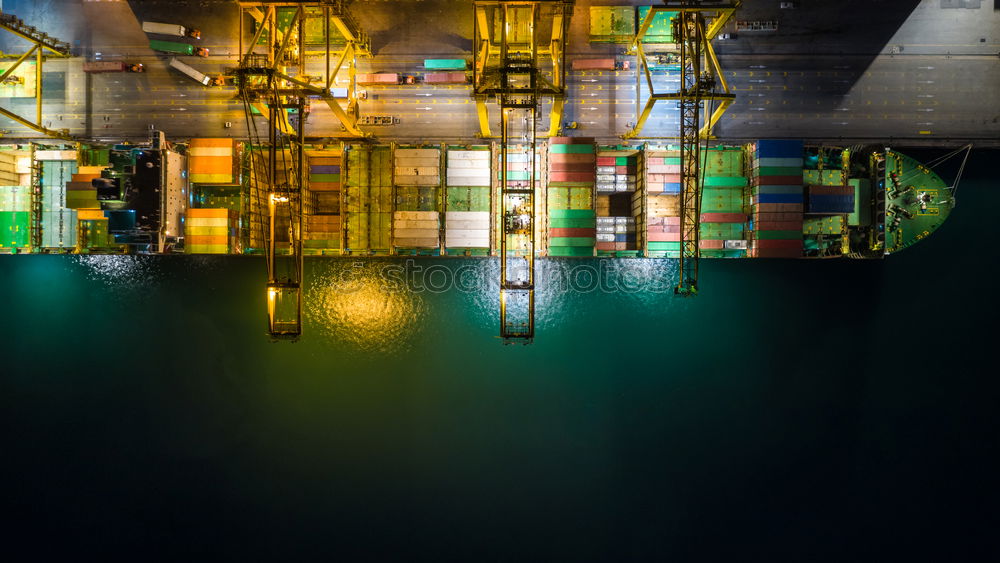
41, 46
519, 60
274, 82
694, 24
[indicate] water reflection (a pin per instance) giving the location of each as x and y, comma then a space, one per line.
359, 304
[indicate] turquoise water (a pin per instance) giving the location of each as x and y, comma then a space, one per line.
806, 410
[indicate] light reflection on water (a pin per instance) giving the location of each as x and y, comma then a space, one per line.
380, 304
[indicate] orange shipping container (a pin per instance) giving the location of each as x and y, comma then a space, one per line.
210, 142
206, 213
206, 239
210, 165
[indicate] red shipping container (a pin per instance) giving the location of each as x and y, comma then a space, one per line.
571, 140
763, 244
657, 221
711, 244
572, 157
572, 177
776, 253
778, 181
625, 170
571, 167
671, 220
594, 64
604, 160
672, 178
723, 218
572, 232
605, 246
663, 237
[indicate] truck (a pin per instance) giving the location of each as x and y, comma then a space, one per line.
445, 78
177, 48
594, 64
445, 64
197, 76
170, 29
111, 66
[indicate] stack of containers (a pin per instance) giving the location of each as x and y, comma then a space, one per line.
777, 199
518, 168
211, 161
207, 231
467, 202
368, 195
15, 201
827, 211
660, 29
258, 222
59, 224
323, 226
416, 222
572, 218
617, 172
663, 206
80, 192
612, 24
722, 209
93, 233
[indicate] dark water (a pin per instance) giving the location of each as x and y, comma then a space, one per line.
796, 410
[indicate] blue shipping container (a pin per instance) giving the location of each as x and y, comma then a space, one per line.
779, 148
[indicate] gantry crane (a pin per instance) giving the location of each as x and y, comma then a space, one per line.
41, 43
701, 82
274, 81
509, 70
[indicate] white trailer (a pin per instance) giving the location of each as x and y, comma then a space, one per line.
188, 70
170, 29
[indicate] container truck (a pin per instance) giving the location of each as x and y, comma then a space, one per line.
177, 48
445, 64
594, 64
170, 29
111, 66
445, 78
194, 74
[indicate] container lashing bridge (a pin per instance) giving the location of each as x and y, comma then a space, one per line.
693, 27
509, 70
273, 82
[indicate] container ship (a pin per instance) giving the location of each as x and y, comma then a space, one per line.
772, 198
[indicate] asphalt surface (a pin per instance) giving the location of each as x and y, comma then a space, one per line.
816, 77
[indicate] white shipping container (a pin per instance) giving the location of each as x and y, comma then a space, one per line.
469, 155
164, 28
605, 178
463, 225
467, 216
465, 164
602, 237
55, 155
605, 229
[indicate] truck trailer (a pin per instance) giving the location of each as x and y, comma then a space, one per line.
195, 74
111, 66
170, 29
177, 48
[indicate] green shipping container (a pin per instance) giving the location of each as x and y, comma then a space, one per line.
445, 64
572, 241
171, 47
15, 229
324, 177
780, 171
778, 235
674, 246
571, 149
577, 223
578, 251
659, 30
725, 181
572, 213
